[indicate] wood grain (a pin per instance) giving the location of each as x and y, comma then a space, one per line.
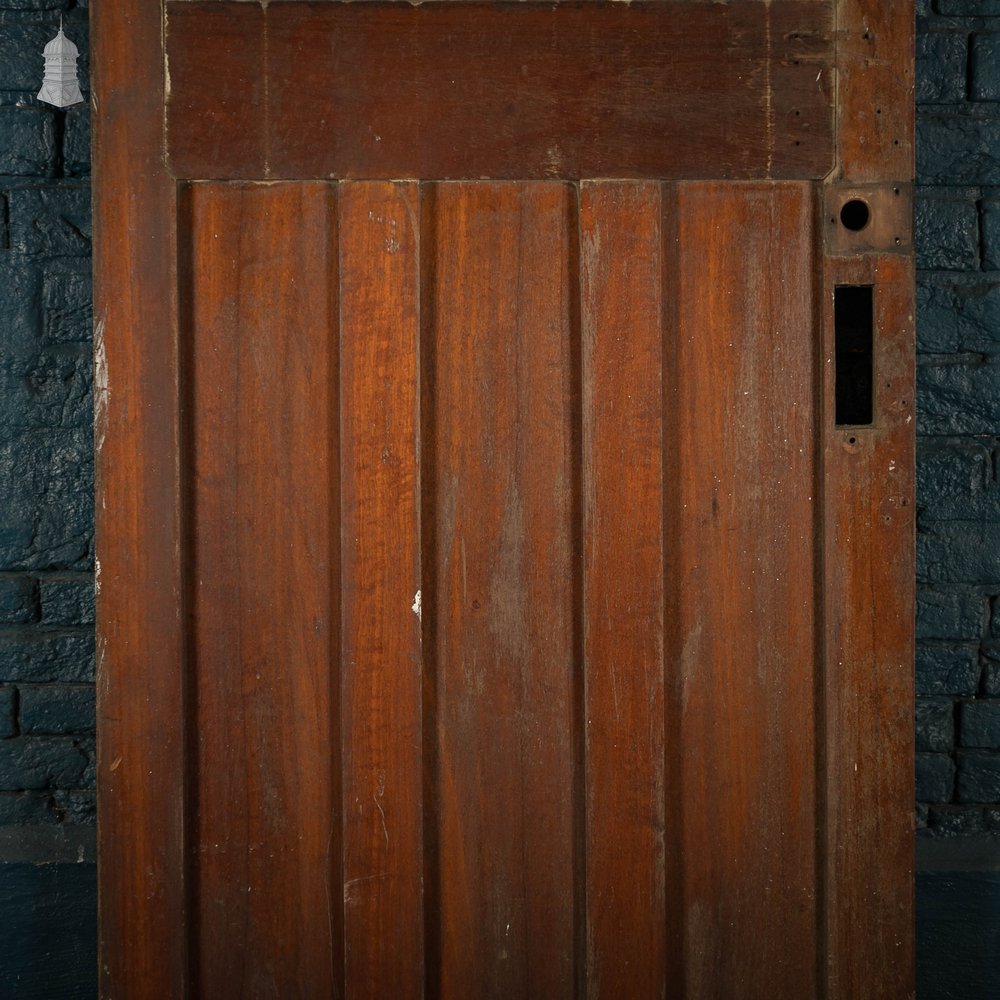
142, 723
875, 87
481, 90
264, 613
497, 286
621, 295
380, 528
742, 579
868, 693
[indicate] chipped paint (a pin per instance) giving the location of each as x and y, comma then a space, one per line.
415, 606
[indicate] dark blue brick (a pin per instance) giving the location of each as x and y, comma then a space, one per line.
979, 724
47, 480
947, 232
27, 142
47, 388
67, 304
40, 657
20, 307
36, 762
8, 722
966, 552
66, 601
76, 142
935, 774
958, 149
941, 614
958, 314
978, 776
954, 821
935, 724
47, 5
968, 8
941, 67
57, 708
955, 483
945, 669
957, 399
991, 672
984, 67
991, 234
54, 222
18, 600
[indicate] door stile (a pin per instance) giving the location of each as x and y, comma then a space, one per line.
141, 684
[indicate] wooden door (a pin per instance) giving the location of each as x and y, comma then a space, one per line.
505, 428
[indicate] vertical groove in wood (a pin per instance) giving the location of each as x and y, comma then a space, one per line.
623, 577
381, 586
503, 606
869, 597
579, 691
744, 631
265, 629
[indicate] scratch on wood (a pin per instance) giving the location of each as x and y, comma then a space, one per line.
380, 794
102, 390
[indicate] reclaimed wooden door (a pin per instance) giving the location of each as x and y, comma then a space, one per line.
505, 430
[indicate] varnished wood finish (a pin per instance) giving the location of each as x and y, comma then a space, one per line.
742, 541
265, 600
488, 604
623, 598
499, 295
868, 692
504, 90
141, 717
382, 663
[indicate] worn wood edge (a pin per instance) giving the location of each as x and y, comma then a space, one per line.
868, 455
142, 951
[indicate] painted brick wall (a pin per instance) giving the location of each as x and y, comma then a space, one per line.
47, 872
958, 425
46, 453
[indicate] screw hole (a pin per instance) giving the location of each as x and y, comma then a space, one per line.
855, 215
852, 440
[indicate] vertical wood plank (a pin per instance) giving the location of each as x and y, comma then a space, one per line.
499, 290
623, 588
143, 881
869, 607
382, 675
742, 625
264, 608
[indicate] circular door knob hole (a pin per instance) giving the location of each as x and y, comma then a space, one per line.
855, 215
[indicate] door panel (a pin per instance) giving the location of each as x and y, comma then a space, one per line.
490, 603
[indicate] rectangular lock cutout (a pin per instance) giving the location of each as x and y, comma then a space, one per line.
854, 326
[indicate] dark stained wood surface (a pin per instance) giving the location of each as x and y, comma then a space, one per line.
504, 90
742, 516
498, 290
623, 601
262, 563
868, 693
382, 663
647, 729
141, 715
